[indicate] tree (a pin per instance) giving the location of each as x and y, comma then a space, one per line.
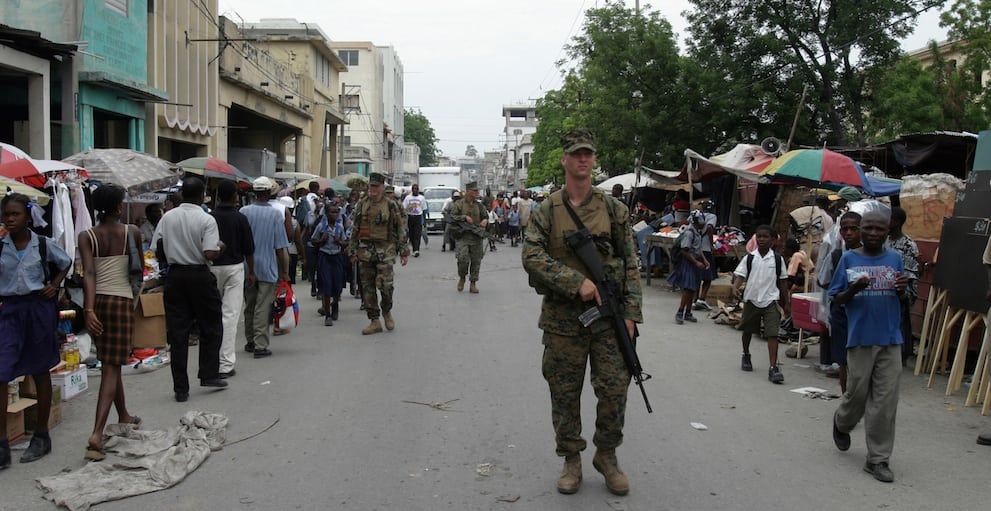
419, 131
781, 45
969, 25
471, 152
905, 99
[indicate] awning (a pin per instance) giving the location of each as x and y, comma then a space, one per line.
133, 90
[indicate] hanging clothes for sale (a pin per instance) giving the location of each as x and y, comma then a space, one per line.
83, 220
63, 226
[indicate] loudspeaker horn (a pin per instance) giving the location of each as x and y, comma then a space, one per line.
770, 146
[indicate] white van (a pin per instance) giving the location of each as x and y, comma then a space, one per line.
436, 196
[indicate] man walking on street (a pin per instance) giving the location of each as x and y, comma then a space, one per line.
414, 204
190, 240
469, 248
378, 235
271, 265
557, 273
870, 281
229, 269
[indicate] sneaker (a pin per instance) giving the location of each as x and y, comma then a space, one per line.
745, 363
416, 254
679, 318
774, 375
880, 471
690, 317
701, 305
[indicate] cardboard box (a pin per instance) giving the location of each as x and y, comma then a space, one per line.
805, 312
149, 321
54, 418
719, 293
15, 418
71, 383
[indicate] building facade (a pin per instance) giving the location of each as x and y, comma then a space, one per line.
520, 123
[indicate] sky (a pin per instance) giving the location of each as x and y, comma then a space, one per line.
465, 59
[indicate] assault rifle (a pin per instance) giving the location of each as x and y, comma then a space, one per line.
612, 305
470, 228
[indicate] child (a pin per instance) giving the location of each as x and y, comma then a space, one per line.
767, 282
513, 219
686, 272
28, 290
835, 341
331, 236
870, 280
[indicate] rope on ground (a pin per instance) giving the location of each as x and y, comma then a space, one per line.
445, 406
249, 437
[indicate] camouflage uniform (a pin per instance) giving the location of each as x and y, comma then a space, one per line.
555, 272
380, 234
468, 247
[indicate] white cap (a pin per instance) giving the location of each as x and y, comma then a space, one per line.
263, 184
287, 202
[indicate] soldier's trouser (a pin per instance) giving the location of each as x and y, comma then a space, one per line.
564, 369
376, 276
872, 393
469, 253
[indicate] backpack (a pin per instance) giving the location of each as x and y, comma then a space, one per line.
777, 265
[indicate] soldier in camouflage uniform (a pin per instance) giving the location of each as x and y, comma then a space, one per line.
468, 246
379, 235
557, 273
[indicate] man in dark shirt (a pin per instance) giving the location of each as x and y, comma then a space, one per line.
229, 269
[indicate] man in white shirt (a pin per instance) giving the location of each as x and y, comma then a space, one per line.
414, 205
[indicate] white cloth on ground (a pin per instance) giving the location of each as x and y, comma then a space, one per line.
149, 461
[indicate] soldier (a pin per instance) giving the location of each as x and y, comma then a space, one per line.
380, 234
557, 273
468, 244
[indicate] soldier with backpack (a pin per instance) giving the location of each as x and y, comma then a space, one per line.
766, 276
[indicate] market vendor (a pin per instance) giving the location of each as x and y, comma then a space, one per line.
31, 271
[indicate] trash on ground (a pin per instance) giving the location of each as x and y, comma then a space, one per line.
445, 406
699, 426
508, 498
266, 382
484, 469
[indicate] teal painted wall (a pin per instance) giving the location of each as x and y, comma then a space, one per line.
121, 41
101, 98
43, 16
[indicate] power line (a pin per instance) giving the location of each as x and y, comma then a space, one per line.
553, 65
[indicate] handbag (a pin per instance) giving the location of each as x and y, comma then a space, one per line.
285, 308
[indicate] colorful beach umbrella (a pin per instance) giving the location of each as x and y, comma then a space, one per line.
816, 168
8, 185
36, 172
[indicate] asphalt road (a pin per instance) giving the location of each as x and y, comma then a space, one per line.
356, 430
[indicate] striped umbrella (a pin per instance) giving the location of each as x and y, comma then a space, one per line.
816, 168
35, 172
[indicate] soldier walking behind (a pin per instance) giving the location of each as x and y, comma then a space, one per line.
468, 247
379, 235
559, 275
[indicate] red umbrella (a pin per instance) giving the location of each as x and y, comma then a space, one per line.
35, 172
9, 153
215, 168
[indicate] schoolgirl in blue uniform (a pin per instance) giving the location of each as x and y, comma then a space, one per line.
28, 317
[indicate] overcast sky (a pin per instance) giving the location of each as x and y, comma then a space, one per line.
464, 59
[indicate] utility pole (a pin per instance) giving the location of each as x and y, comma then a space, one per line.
340, 136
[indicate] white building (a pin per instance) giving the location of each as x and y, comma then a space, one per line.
372, 100
520, 125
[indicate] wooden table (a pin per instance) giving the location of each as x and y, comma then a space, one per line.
657, 241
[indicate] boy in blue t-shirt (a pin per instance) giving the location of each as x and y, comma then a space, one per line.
870, 282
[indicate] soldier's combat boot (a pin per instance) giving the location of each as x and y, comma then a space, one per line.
473, 288
571, 475
616, 481
389, 323
461, 284
373, 328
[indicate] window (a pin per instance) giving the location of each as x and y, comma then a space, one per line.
321, 70
118, 6
350, 57
351, 103
347, 140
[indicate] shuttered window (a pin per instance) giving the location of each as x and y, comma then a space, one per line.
119, 6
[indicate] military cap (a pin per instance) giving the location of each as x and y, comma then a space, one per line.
472, 185
390, 189
850, 193
376, 179
578, 139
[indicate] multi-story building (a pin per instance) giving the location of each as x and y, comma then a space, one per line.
372, 103
520, 125
951, 53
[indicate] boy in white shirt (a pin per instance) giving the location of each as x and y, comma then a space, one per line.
766, 275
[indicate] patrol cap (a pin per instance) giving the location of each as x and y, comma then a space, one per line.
578, 139
263, 184
390, 189
472, 185
850, 194
376, 179
456, 195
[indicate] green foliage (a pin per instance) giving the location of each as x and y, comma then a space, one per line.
905, 100
419, 131
766, 50
969, 23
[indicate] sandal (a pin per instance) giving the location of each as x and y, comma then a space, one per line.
278, 332
95, 454
135, 421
